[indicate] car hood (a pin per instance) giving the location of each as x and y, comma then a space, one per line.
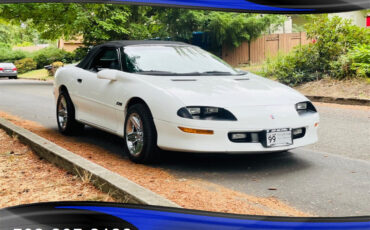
229, 91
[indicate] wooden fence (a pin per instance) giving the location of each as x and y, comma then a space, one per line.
262, 48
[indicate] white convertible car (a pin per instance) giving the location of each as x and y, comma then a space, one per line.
178, 97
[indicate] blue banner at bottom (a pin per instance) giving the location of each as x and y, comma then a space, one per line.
116, 216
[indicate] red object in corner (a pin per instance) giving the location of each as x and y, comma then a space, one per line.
368, 21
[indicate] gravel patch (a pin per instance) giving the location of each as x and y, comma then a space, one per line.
354, 88
25, 178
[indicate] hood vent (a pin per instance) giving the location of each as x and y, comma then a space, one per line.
183, 80
241, 79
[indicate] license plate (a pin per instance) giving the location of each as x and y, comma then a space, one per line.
8, 70
279, 137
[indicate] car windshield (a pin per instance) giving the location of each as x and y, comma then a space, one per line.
174, 60
7, 65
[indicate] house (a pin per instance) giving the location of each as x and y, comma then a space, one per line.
286, 28
360, 18
70, 45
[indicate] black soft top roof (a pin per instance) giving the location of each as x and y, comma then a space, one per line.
123, 43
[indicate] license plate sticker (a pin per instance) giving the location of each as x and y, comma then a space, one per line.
279, 137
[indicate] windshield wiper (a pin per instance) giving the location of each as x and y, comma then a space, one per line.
155, 72
224, 73
167, 73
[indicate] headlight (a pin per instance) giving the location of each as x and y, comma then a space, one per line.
206, 113
304, 107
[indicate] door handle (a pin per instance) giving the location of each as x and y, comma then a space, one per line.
79, 80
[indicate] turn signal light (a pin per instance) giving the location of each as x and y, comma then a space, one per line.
317, 124
196, 131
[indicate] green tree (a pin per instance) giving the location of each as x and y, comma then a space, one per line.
102, 22
235, 28
232, 28
96, 22
18, 34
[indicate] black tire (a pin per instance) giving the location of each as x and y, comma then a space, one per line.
149, 152
71, 126
16, 77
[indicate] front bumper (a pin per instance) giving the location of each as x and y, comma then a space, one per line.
170, 137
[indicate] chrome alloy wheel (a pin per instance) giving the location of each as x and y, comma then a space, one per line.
62, 113
134, 134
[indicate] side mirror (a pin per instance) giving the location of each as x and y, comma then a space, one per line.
108, 74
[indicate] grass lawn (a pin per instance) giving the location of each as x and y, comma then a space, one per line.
40, 74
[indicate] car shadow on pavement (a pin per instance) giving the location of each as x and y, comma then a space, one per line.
268, 163
181, 163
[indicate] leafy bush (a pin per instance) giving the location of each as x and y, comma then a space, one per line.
294, 68
8, 55
41, 57
4, 45
356, 63
49, 55
26, 64
335, 37
360, 60
340, 68
54, 67
340, 50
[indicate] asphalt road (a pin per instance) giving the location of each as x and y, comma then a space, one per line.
330, 178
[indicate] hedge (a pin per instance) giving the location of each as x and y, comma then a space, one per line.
340, 50
24, 65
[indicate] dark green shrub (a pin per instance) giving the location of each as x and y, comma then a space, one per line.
294, 68
4, 45
356, 63
360, 60
49, 55
24, 65
335, 37
80, 53
8, 55
333, 53
341, 68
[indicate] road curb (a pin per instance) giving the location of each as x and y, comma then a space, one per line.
339, 100
105, 180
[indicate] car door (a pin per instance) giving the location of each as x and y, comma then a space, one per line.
99, 100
